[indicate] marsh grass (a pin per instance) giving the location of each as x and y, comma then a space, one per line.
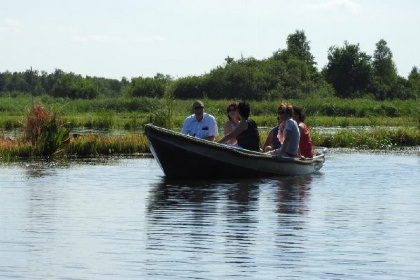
382, 139
43, 136
81, 147
131, 113
46, 135
92, 145
95, 145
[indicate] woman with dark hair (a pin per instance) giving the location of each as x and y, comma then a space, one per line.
305, 142
246, 132
232, 123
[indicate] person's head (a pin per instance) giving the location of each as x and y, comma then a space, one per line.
232, 109
244, 109
285, 111
298, 115
198, 108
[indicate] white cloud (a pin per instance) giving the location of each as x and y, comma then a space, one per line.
97, 39
151, 39
336, 5
9, 25
116, 39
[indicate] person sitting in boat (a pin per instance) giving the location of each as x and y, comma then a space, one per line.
246, 132
232, 123
305, 142
275, 136
200, 124
290, 145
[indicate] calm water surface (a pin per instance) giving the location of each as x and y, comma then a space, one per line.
359, 218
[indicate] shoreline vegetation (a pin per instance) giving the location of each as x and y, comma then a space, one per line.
47, 125
361, 94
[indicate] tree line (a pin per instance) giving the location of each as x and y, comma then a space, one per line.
290, 73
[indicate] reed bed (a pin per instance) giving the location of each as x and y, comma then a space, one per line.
133, 113
95, 145
391, 124
86, 146
92, 145
377, 139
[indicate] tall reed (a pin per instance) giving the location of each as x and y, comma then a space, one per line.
45, 132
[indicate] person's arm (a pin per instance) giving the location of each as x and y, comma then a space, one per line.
185, 127
210, 138
213, 130
300, 133
269, 140
242, 126
227, 128
280, 135
286, 142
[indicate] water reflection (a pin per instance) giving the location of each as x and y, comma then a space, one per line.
201, 216
125, 221
39, 170
231, 221
292, 194
292, 206
167, 194
40, 215
236, 197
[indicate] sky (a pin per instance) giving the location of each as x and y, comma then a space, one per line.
140, 38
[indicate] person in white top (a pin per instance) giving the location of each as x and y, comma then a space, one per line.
200, 124
291, 133
232, 123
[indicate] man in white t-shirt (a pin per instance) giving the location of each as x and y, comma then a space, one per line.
200, 124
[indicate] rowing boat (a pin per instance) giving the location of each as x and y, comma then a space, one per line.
184, 157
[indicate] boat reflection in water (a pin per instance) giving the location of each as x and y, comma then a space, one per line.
228, 221
289, 193
292, 194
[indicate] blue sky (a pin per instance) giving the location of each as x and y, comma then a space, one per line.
132, 38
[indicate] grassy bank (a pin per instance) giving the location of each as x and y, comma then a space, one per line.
95, 145
133, 113
393, 124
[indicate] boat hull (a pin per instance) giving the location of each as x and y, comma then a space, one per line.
185, 157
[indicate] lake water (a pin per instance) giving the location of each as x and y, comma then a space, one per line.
358, 218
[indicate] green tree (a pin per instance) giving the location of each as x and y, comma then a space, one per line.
299, 47
5, 81
149, 87
348, 70
74, 87
414, 82
48, 80
384, 72
189, 87
383, 65
295, 68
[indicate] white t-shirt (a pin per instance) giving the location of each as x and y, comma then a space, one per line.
292, 128
206, 128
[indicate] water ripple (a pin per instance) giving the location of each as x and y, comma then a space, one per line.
357, 219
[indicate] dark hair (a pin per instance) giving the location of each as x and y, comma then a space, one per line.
298, 111
244, 109
233, 104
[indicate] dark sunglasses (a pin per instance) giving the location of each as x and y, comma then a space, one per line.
281, 112
198, 108
232, 109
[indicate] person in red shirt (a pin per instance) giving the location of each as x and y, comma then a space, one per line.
305, 142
